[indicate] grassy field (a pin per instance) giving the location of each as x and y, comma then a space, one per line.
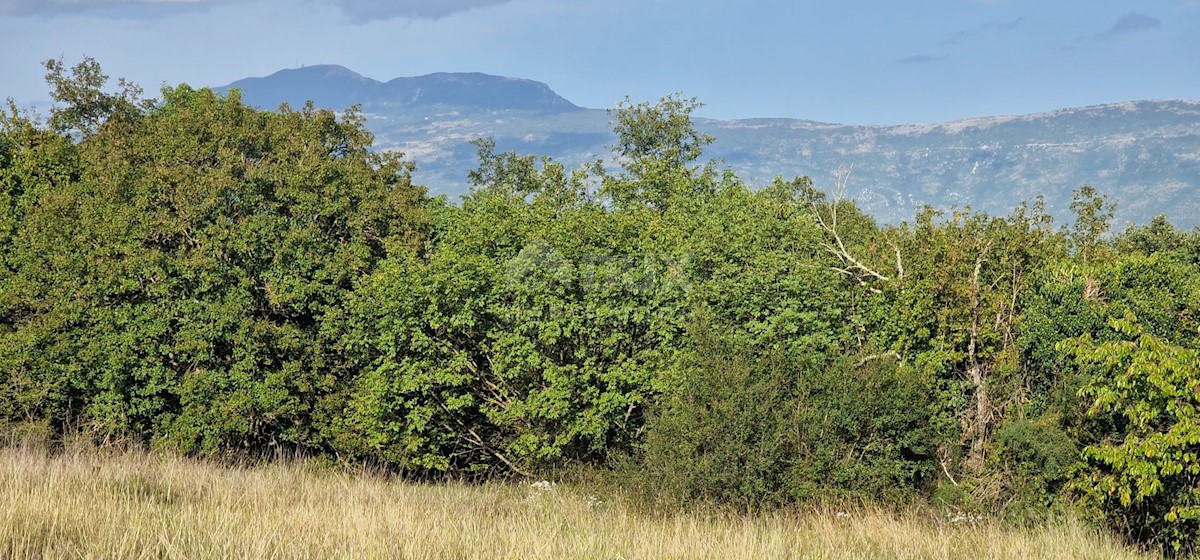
87, 504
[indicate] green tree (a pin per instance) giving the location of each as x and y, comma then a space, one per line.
186, 285
1093, 219
83, 105
1146, 478
950, 301
658, 147
529, 335
36, 166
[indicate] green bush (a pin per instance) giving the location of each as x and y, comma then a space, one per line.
749, 427
725, 432
1144, 476
1030, 461
866, 432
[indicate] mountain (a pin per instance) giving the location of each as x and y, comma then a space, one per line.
337, 87
1144, 155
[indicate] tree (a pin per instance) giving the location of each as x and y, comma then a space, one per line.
87, 106
1146, 477
36, 166
949, 301
1093, 218
531, 334
186, 285
658, 145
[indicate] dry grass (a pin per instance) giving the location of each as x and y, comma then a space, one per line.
88, 504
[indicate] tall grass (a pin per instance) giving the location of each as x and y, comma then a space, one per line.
90, 504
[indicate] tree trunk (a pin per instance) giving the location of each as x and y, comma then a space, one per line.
980, 419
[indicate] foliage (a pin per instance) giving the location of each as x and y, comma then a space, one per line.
1093, 219
84, 105
196, 274
752, 426
1031, 461
1068, 299
177, 287
953, 306
1146, 479
866, 432
726, 430
531, 333
36, 164
1158, 236
657, 145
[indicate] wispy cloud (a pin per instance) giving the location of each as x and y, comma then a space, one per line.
921, 59
358, 11
370, 10
1130, 23
118, 8
987, 28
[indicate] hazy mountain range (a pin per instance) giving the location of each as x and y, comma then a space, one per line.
1145, 155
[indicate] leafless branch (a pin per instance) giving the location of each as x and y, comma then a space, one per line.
838, 247
889, 354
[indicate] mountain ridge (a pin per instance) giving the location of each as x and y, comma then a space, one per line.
337, 87
1144, 154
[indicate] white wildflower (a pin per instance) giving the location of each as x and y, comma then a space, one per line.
958, 517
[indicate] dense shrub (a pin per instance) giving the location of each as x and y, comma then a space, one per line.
751, 426
866, 432
725, 430
1031, 460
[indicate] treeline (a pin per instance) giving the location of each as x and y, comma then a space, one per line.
194, 274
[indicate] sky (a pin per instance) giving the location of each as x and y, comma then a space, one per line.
845, 61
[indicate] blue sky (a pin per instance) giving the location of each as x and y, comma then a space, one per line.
850, 61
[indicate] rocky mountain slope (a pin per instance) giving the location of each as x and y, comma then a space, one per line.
1144, 155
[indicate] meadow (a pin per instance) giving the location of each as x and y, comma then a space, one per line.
89, 503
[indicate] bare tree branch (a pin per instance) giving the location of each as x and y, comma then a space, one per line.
838, 247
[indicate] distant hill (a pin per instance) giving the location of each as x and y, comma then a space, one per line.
1144, 155
338, 87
